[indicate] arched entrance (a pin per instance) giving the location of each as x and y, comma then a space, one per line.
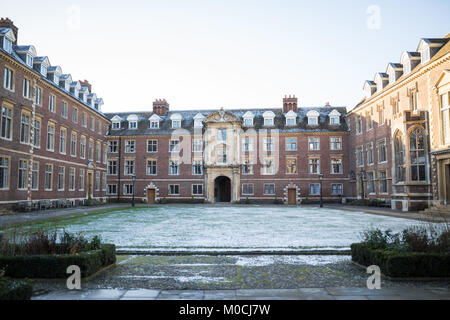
222, 189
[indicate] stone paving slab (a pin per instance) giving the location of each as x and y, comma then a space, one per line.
253, 294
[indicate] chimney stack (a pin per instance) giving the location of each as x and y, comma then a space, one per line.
160, 106
290, 103
7, 23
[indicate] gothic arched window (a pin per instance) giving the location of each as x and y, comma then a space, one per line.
399, 158
417, 155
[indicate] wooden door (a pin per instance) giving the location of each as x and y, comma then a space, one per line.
89, 184
292, 197
150, 195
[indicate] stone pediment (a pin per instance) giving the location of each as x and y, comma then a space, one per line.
221, 116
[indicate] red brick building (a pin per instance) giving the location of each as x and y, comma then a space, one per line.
52, 130
252, 155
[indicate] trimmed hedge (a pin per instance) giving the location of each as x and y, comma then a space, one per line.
403, 265
15, 289
55, 266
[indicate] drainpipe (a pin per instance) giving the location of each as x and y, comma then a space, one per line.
119, 170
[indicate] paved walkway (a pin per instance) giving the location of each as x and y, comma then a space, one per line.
254, 294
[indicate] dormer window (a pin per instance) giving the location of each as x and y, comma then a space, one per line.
409, 60
29, 61
198, 120
132, 125
176, 120
7, 45
313, 118
44, 71
291, 118
132, 122
116, 125
154, 121
248, 119
269, 117
334, 117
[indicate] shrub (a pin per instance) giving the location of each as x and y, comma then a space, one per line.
15, 289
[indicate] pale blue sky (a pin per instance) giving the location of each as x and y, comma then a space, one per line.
231, 54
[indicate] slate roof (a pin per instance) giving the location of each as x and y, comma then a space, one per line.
16, 57
187, 123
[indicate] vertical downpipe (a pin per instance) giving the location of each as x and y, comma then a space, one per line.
119, 170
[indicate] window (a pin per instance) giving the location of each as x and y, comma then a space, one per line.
395, 106
336, 189
291, 165
247, 144
369, 122
369, 150
7, 45
112, 189
75, 115
152, 145
314, 189
197, 167
358, 124
197, 145
129, 167
445, 117
97, 181
197, 189
35, 176
268, 122
291, 121
382, 179
25, 128
61, 173
4, 172
412, 99
174, 189
222, 135
64, 109
8, 79
248, 122
268, 144
313, 121
62, 140
334, 120
269, 188
359, 156
382, 153
48, 177
73, 144
112, 146
130, 146
151, 167
247, 167
51, 103
222, 156
6, 124
83, 147
22, 175
247, 189
26, 89
116, 125
51, 137
291, 144
417, 155
336, 166
154, 124
132, 125
38, 96
314, 143
112, 167
370, 182
314, 165
99, 127
128, 189
380, 115
83, 120
37, 133
105, 153
174, 146
91, 150
104, 181
336, 143
71, 179
400, 170
98, 151
176, 124
269, 166
174, 167
81, 184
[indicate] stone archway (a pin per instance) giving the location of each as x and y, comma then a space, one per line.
222, 189
292, 192
151, 191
